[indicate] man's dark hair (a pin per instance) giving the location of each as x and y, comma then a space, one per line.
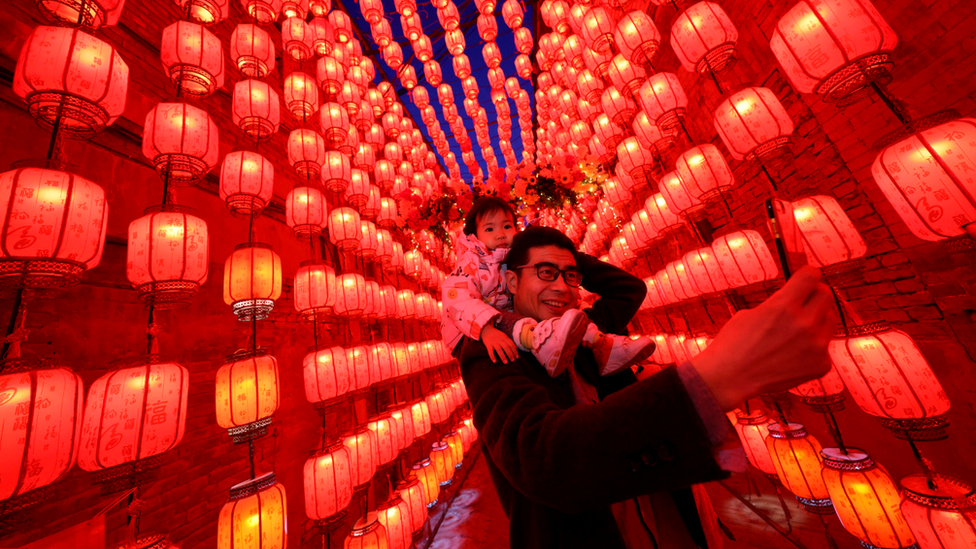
484, 206
535, 237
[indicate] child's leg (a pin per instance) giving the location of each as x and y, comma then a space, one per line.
615, 352
553, 342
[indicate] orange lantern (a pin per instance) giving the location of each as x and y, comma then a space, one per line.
255, 517
306, 153
301, 95
327, 374
704, 172
394, 516
414, 494
296, 38
71, 80
315, 285
427, 475
247, 394
664, 101
828, 235
706, 273
754, 125
193, 58
825, 394
703, 37
246, 182
744, 257
438, 406
833, 48
345, 228
252, 50
942, 517
362, 457
41, 413
256, 109
890, 379
53, 229
637, 37
88, 15
456, 443
328, 483
865, 498
796, 456
132, 414
753, 430
252, 281
443, 460
167, 256
305, 211
468, 434
385, 437
181, 141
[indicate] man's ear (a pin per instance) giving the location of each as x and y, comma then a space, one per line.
511, 281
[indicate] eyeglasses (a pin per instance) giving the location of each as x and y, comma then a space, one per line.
548, 272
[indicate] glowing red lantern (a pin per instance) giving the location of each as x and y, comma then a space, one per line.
167, 257
456, 444
796, 457
833, 48
865, 498
626, 76
385, 437
513, 13
753, 429
523, 66
193, 58
246, 182
598, 27
703, 37
427, 475
462, 66
252, 50
744, 257
394, 516
305, 211
412, 492
256, 109
653, 298
706, 273
306, 153
678, 195
342, 25
247, 393
296, 38
320, 8
368, 242
381, 360
942, 517
362, 457
53, 229
890, 379
828, 235
252, 280
336, 171
327, 374
334, 123
487, 27
825, 394
255, 517
181, 141
351, 295
301, 95
322, 35
357, 191
345, 228
42, 419
637, 37
421, 416
704, 172
132, 414
328, 483
71, 80
330, 76
650, 136
664, 100
754, 125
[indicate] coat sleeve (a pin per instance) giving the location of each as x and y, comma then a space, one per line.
644, 438
462, 297
621, 293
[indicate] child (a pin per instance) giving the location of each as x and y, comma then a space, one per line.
475, 294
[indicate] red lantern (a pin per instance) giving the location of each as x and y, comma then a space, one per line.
181, 141
345, 230
462, 66
626, 76
703, 37
305, 211
301, 95
443, 460
942, 157
394, 516
54, 223
598, 27
865, 498
255, 517
456, 444
41, 413
296, 38
825, 394
334, 123
890, 379
833, 48
71, 80
664, 100
679, 196
306, 153
328, 483
753, 429
262, 11
513, 13
362, 457
828, 235
402, 416
413, 493
336, 171
322, 35
252, 280
320, 8
247, 393
330, 76
437, 405
132, 414
168, 256
256, 109
246, 182
294, 8
744, 258
754, 125
408, 77
357, 192
252, 50
650, 136
192, 58
327, 374
487, 27
941, 517
637, 37
86, 15
706, 273
368, 242
796, 457
427, 475
342, 25
385, 437
704, 172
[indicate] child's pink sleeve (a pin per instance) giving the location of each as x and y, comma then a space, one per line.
464, 306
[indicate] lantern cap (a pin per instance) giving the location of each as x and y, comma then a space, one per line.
394, 500
756, 417
327, 448
365, 525
252, 486
439, 445
789, 430
855, 459
864, 329
952, 494
11, 365
410, 481
917, 125
421, 464
245, 245
244, 354
159, 208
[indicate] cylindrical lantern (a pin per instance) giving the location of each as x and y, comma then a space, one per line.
890, 379
336, 171
384, 435
305, 211
703, 37
132, 414
443, 460
829, 236
345, 228
193, 58
301, 95
247, 393
334, 123
704, 172
256, 109
427, 475
296, 38
706, 273
327, 374
680, 196
663, 100
865, 498
414, 494
637, 37
753, 429
456, 443
306, 153
754, 125
246, 182
598, 27
744, 257
252, 280
943, 517
421, 418
394, 515
328, 483
71, 80
351, 295
255, 517
796, 456
252, 50
168, 256
362, 457
54, 227
315, 293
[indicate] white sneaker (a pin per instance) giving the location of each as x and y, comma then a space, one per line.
554, 341
615, 352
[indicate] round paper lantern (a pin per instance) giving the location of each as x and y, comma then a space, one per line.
41, 413
598, 27
296, 38
753, 429
336, 171
427, 475
650, 136
754, 125
828, 235
437, 406
940, 518
663, 100
305, 211
706, 273
929, 179
306, 153
133, 414
357, 191
833, 47
246, 182
487, 27
328, 483
330, 75
256, 109
247, 393
402, 416
91, 15
362, 457
637, 37
351, 295
168, 256
796, 456
368, 242
680, 277
327, 374
626, 76
381, 359
322, 35
255, 517
193, 58
301, 95
889, 378
334, 123
181, 141
513, 13
865, 498
71, 80
314, 290
394, 516
744, 257
252, 281
703, 37
345, 228
825, 394
53, 230
704, 172
443, 460
414, 494
653, 298
679, 195
342, 24
252, 50
385, 437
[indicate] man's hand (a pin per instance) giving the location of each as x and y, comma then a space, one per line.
498, 344
774, 347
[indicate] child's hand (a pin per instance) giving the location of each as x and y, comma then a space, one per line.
498, 344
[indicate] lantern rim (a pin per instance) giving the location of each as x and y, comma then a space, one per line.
159, 208
245, 245
870, 328
146, 541
252, 486
786, 431
244, 354
80, 117
365, 525
952, 494
855, 459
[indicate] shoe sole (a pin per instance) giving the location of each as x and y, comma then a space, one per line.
575, 333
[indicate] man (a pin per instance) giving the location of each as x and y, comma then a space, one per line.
563, 451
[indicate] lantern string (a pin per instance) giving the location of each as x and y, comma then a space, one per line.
831, 544
250, 456
769, 178
681, 122
834, 429
711, 72
926, 466
16, 332
840, 308
896, 106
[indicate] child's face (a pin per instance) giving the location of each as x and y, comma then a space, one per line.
496, 230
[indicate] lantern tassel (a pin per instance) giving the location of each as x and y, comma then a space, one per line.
926, 466
834, 429
16, 333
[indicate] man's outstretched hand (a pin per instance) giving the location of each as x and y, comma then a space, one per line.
774, 347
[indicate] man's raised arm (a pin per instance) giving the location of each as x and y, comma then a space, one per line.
621, 293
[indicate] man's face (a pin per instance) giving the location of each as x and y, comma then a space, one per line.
537, 298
